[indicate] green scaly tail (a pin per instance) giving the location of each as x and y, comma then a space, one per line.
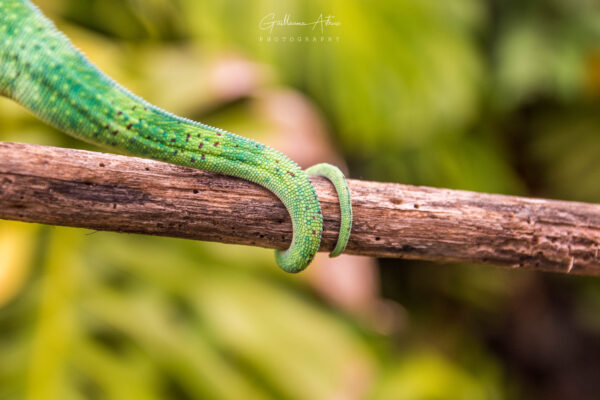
43, 71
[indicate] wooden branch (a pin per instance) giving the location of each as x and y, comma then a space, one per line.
125, 194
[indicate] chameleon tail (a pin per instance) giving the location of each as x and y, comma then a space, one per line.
336, 177
43, 71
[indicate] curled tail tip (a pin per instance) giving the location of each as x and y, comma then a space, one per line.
336, 176
340, 246
292, 264
336, 252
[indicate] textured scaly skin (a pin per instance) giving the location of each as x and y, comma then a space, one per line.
40, 69
336, 176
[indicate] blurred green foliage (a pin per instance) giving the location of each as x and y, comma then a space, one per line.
497, 95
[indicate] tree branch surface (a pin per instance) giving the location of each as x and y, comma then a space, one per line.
110, 192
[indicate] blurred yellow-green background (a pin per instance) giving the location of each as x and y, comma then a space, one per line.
500, 96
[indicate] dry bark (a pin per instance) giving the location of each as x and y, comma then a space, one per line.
126, 194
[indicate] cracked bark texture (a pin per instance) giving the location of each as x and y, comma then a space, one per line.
126, 194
